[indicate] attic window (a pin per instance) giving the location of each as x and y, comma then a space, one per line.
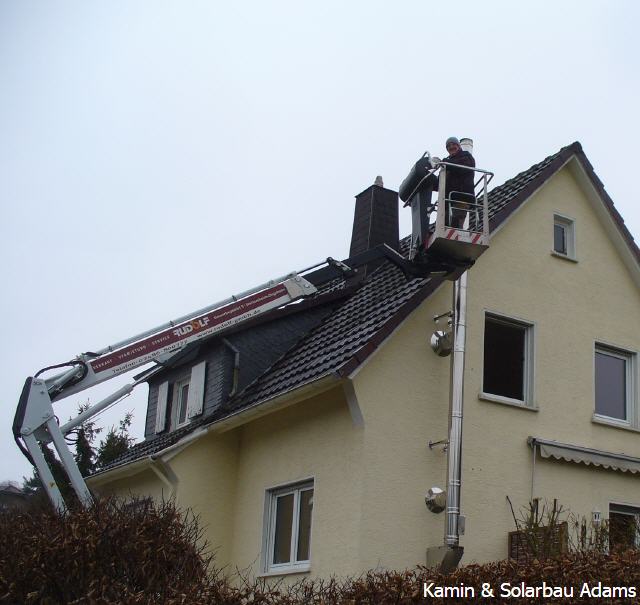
564, 236
180, 399
186, 399
508, 360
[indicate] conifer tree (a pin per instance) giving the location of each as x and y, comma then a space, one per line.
116, 443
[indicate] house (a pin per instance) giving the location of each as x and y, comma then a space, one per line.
12, 496
302, 439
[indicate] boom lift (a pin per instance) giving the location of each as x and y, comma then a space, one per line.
436, 249
458, 237
444, 241
35, 421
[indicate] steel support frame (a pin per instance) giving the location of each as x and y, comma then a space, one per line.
41, 425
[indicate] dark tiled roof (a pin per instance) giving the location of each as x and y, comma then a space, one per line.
332, 344
500, 197
346, 337
359, 324
152, 446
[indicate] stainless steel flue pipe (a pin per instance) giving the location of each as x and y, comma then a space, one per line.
454, 452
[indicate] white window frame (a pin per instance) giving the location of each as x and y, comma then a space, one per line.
569, 226
630, 357
271, 497
161, 407
528, 402
177, 403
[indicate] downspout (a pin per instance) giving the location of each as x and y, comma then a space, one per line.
533, 470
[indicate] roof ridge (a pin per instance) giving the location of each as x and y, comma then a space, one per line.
545, 161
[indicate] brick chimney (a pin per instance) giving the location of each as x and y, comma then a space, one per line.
375, 220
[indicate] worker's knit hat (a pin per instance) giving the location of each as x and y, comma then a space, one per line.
451, 140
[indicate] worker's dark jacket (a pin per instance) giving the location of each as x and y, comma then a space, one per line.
460, 179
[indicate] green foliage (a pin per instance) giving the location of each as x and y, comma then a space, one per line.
116, 443
82, 438
33, 486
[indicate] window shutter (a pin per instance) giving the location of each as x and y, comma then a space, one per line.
161, 407
195, 398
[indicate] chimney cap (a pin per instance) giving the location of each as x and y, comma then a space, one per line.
378, 181
466, 144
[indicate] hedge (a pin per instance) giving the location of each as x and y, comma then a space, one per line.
144, 553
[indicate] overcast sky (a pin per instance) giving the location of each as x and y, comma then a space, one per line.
156, 157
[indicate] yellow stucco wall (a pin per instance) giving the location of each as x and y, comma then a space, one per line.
403, 393
572, 305
143, 484
207, 472
370, 480
204, 475
313, 439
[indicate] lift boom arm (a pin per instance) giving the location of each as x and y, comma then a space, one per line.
35, 421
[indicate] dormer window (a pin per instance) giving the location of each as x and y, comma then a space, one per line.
179, 405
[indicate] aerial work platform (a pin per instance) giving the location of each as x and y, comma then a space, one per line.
459, 233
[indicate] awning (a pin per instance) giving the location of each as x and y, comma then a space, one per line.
585, 455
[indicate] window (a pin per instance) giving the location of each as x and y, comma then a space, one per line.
564, 236
178, 403
288, 513
508, 360
180, 399
624, 527
614, 385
